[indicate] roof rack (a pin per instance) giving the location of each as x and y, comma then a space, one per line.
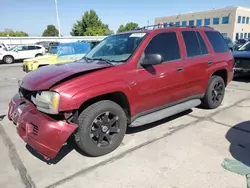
171, 24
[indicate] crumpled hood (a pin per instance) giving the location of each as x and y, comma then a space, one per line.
241, 54
45, 77
39, 58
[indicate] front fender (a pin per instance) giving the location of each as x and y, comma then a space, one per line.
97, 90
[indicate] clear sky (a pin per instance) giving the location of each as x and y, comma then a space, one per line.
32, 16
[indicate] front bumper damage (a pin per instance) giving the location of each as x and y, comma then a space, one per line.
41, 132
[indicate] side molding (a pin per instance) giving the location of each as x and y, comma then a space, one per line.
164, 113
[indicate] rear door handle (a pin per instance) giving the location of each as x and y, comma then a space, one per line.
180, 69
209, 62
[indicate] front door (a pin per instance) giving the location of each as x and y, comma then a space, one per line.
163, 84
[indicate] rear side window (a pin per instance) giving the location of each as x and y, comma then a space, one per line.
202, 44
38, 47
31, 48
165, 44
191, 43
217, 41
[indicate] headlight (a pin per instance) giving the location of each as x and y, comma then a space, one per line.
47, 101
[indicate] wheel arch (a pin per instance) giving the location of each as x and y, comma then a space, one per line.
9, 55
118, 97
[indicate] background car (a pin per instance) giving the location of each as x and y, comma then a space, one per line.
21, 52
47, 44
238, 43
229, 43
62, 53
242, 60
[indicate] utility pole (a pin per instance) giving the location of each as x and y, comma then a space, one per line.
58, 21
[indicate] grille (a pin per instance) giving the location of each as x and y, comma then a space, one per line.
242, 63
35, 130
26, 93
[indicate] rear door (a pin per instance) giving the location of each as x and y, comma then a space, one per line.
32, 51
163, 84
197, 58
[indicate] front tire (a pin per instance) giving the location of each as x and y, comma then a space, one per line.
37, 55
102, 127
215, 93
8, 59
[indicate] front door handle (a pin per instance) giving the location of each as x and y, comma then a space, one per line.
209, 62
180, 69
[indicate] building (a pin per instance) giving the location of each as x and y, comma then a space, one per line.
233, 22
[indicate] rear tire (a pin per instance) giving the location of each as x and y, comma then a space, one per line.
215, 93
102, 127
8, 59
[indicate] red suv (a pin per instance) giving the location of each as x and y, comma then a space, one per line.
129, 79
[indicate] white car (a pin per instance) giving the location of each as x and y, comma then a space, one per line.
21, 52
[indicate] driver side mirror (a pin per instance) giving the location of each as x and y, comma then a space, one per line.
152, 59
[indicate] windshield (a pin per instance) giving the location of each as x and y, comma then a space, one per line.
12, 48
75, 48
53, 50
116, 47
245, 47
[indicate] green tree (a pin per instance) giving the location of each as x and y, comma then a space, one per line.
90, 25
50, 31
12, 33
129, 26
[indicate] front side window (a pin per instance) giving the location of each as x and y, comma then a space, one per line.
117, 47
217, 41
207, 21
225, 20
199, 22
165, 44
216, 21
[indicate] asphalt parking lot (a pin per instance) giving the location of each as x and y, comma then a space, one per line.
182, 151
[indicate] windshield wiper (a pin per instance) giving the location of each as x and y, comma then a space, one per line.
101, 59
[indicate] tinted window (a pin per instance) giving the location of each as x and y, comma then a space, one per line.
216, 21
184, 23
202, 44
191, 22
207, 21
165, 44
225, 20
199, 22
38, 47
31, 48
192, 43
243, 19
217, 41
239, 19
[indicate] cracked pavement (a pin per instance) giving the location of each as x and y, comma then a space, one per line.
182, 151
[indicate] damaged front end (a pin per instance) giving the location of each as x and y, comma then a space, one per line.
42, 132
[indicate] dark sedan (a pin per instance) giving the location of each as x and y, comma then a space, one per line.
242, 60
